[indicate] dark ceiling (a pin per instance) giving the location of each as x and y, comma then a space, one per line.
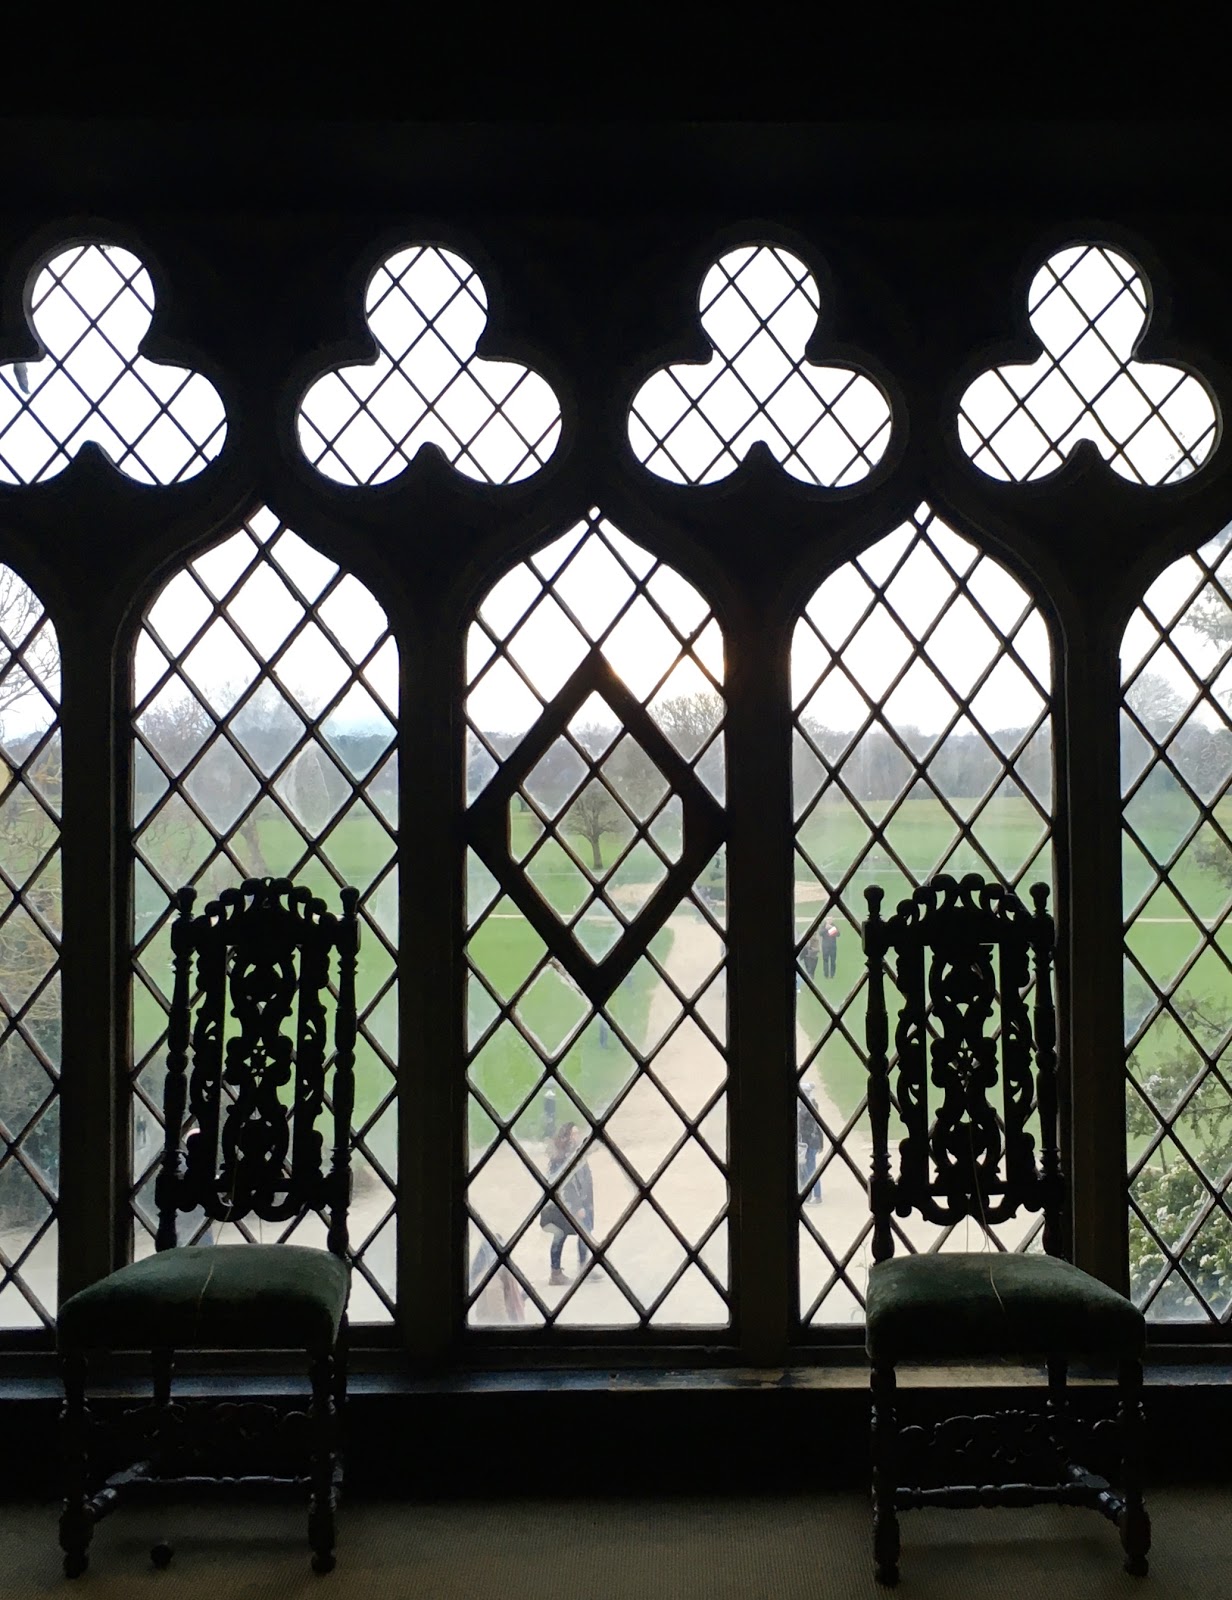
72, 164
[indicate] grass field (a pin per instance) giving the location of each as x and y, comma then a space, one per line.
360, 848
505, 948
921, 834
592, 1063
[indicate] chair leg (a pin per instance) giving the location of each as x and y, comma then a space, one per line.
885, 1479
76, 1519
162, 1362
1058, 1403
324, 1503
1134, 1523
340, 1369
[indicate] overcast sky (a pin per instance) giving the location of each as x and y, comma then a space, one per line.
495, 419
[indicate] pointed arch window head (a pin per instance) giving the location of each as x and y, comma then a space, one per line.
922, 742
596, 944
265, 717
695, 422
90, 309
494, 421
1153, 423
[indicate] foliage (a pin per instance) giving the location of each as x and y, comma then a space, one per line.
1168, 1191
879, 766
30, 784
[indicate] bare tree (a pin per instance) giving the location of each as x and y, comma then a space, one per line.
689, 720
176, 728
29, 650
593, 815
29, 803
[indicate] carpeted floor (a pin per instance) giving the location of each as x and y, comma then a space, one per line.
813, 1545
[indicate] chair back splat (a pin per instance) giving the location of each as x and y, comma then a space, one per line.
966, 954
256, 965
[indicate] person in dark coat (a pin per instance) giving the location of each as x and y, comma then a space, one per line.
572, 1204
809, 955
829, 948
808, 1147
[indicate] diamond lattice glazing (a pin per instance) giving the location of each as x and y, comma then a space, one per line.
596, 981
265, 691
1176, 760
494, 421
921, 682
90, 308
695, 422
1089, 308
29, 956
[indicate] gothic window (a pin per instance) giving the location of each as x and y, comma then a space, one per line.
265, 701
1176, 762
1152, 422
29, 955
921, 687
494, 421
90, 309
596, 946
694, 422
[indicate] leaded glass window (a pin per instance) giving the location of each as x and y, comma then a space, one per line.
29, 955
91, 307
596, 944
1176, 763
921, 685
265, 699
1152, 422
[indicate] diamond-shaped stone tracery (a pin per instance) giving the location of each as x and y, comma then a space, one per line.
921, 682
265, 712
611, 809
622, 783
596, 971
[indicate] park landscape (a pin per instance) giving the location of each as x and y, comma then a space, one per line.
865, 815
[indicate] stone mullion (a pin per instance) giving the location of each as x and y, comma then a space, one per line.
432, 1009
92, 1088
760, 989
1088, 688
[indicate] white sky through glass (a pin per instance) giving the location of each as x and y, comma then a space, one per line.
548, 652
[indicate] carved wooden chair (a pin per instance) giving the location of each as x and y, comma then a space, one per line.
246, 1070
964, 955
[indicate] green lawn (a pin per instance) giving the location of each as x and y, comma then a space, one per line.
505, 947
921, 834
593, 1064
359, 847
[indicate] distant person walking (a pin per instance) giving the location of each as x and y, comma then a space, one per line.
572, 1206
808, 1147
829, 948
502, 1298
809, 957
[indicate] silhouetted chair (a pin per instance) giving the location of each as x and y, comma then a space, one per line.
963, 954
246, 1070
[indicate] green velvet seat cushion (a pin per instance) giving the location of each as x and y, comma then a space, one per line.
252, 1296
982, 1304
